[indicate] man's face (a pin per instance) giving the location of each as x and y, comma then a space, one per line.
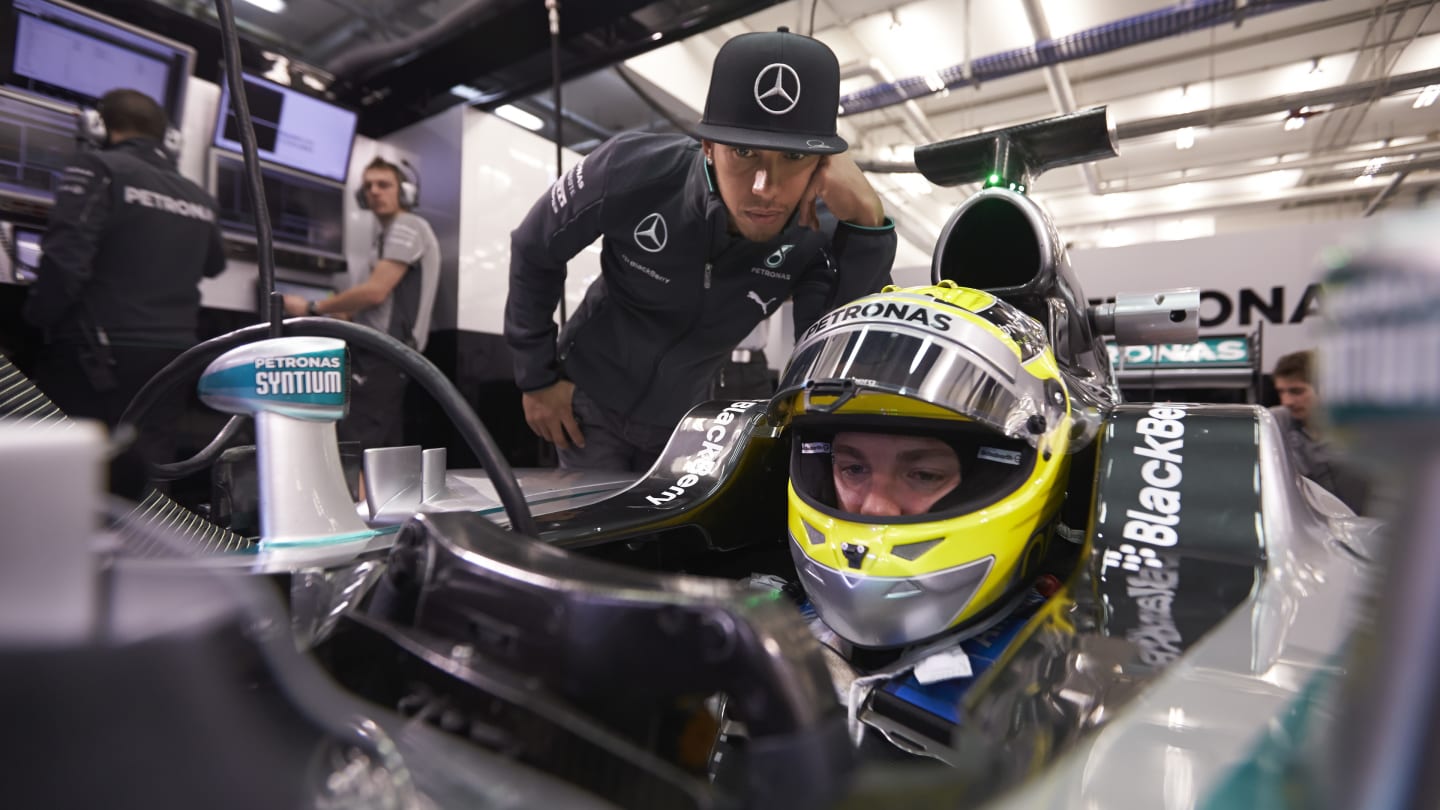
381, 191
1297, 395
760, 187
883, 475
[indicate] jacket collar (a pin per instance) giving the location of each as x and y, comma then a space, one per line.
702, 200
146, 149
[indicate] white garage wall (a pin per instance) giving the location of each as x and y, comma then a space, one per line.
505, 169
1245, 273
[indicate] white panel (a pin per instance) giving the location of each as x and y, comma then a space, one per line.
233, 289
1256, 261
50, 481
505, 170
201, 102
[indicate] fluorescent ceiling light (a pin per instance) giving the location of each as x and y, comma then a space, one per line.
1185, 138
272, 6
1427, 96
466, 92
515, 115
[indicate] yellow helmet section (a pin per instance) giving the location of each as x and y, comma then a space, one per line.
944, 365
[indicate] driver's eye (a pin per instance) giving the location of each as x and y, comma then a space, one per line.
744, 152
929, 480
797, 156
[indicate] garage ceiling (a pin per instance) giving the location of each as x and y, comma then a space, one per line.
1230, 113
1258, 114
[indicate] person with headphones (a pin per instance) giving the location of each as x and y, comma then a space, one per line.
117, 291
394, 293
702, 240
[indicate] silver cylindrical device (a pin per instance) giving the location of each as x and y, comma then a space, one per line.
1137, 319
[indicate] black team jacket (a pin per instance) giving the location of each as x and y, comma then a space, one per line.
129, 240
677, 291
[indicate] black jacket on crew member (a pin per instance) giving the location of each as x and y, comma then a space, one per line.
677, 291
128, 241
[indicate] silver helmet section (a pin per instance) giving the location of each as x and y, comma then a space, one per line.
927, 351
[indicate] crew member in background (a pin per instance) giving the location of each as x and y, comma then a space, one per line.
393, 293
701, 241
1306, 441
117, 295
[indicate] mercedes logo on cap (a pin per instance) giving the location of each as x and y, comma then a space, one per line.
777, 88
651, 234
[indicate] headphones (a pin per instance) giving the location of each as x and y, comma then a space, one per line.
409, 186
91, 132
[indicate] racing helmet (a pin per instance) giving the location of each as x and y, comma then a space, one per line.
929, 453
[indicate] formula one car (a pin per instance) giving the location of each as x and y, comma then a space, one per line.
1094, 599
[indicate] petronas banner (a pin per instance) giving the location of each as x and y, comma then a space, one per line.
1210, 352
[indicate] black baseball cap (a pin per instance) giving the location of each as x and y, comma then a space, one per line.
774, 90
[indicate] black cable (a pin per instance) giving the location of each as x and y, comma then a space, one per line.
413, 363
264, 241
553, 7
810, 29
202, 459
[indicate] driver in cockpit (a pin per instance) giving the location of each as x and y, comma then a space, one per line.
928, 466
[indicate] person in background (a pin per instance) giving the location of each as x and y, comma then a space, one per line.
117, 293
394, 293
701, 242
1306, 441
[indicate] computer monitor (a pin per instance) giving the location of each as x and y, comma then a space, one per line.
37, 139
27, 254
306, 213
292, 128
61, 51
